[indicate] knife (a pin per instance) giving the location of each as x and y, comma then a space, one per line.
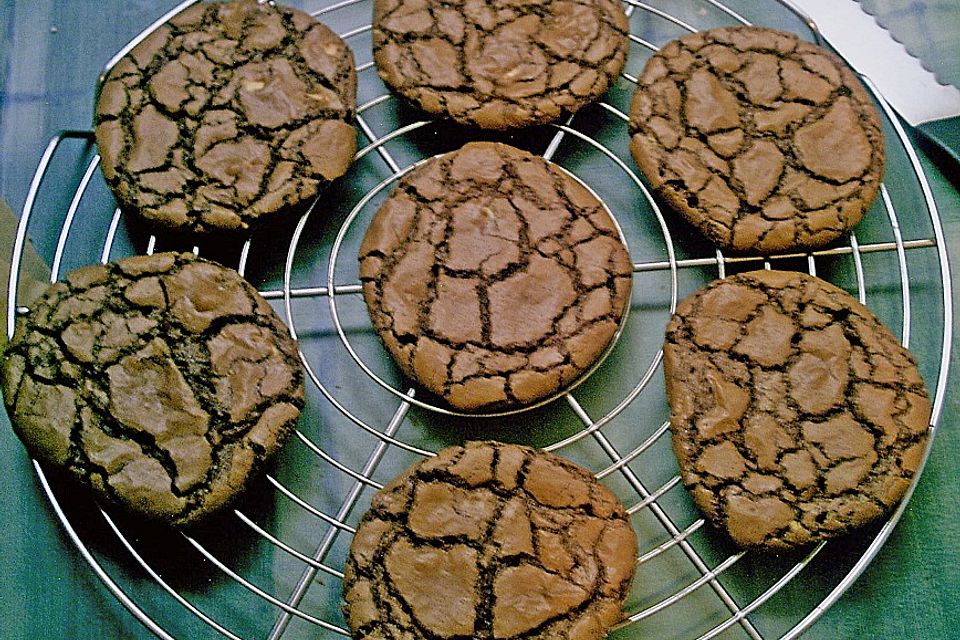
932, 108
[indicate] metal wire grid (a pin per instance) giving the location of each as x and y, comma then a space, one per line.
710, 570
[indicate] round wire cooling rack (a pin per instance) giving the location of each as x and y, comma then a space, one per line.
272, 567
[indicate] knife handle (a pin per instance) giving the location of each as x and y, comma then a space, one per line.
945, 134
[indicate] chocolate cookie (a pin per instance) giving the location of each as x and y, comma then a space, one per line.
762, 141
796, 415
228, 113
493, 277
501, 64
161, 382
490, 541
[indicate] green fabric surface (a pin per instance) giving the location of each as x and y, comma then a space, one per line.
946, 133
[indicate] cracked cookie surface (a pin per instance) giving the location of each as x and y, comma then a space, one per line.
796, 415
500, 64
227, 114
493, 278
490, 540
161, 382
762, 141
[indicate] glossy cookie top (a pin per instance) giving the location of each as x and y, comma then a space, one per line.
763, 142
501, 64
227, 114
490, 540
161, 382
494, 278
796, 415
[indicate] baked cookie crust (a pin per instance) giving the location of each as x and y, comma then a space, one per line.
162, 383
490, 540
501, 64
763, 142
494, 278
228, 114
796, 415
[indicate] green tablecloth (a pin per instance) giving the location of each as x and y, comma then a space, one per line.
50, 55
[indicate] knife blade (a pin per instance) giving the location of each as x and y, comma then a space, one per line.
930, 107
